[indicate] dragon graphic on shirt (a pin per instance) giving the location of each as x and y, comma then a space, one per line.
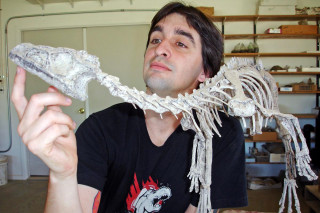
148, 199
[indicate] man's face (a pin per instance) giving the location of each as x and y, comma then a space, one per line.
173, 60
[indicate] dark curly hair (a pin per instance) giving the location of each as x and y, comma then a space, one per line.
211, 39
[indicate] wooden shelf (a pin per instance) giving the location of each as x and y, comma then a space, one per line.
249, 140
301, 92
294, 73
271, 54
267, 36
264, 18
311, 116
265, 163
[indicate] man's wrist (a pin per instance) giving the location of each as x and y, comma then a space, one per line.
56, 177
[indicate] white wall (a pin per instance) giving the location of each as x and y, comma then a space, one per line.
12, 8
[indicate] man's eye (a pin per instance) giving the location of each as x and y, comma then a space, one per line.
155, 41
180, 44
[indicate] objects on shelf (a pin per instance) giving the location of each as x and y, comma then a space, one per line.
292, 70
275, 151
277, 68
256, 183
303, 22
261, 157
302, 86
286, 88
273, 31
242, 48
310, 69
308, 11
299, 29
256, 156
302, 28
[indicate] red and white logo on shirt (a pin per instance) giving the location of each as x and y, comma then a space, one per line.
148, 199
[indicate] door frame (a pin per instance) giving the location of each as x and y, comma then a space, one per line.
20, 164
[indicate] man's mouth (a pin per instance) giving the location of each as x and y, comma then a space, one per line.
159, 66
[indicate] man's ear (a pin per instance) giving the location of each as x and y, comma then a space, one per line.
202, 76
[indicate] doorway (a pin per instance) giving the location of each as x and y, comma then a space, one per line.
120, 50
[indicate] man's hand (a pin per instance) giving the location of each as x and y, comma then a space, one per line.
48, 133
44, 128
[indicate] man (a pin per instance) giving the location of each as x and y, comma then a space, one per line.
128, 161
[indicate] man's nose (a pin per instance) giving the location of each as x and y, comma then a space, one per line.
163, 49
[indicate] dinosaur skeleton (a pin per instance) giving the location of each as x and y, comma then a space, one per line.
241, 88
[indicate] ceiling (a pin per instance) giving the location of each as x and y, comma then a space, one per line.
42, 3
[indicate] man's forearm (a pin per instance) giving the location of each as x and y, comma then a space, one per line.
63, 195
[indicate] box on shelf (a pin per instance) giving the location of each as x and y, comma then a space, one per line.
292, 70
265, 136
310, 69
278, 2
275, 157
304, 87
261, 157
273, 31
286, 89
277, 10
299, 29
209, 11
278, 70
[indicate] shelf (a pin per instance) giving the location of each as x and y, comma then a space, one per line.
256, 21
294, 73
264, 18
301, 92
249, 140
311, 116
264, 163
271, 54
266, 36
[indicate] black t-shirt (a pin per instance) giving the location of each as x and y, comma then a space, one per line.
117, 157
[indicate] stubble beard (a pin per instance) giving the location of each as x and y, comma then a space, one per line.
159, 86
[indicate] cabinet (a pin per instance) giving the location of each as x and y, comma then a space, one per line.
285, 54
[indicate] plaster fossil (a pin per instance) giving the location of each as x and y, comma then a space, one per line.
241, 88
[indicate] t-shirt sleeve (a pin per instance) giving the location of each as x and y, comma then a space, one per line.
228, 188
92, 154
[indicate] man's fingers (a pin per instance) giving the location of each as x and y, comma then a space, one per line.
48, 119
37, 104
52, 89
18, 98
44, 143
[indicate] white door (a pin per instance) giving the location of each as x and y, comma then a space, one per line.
72, 38
121, 52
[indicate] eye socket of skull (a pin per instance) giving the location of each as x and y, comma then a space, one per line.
61, 63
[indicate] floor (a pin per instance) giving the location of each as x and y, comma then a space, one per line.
23, 196
29, 197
